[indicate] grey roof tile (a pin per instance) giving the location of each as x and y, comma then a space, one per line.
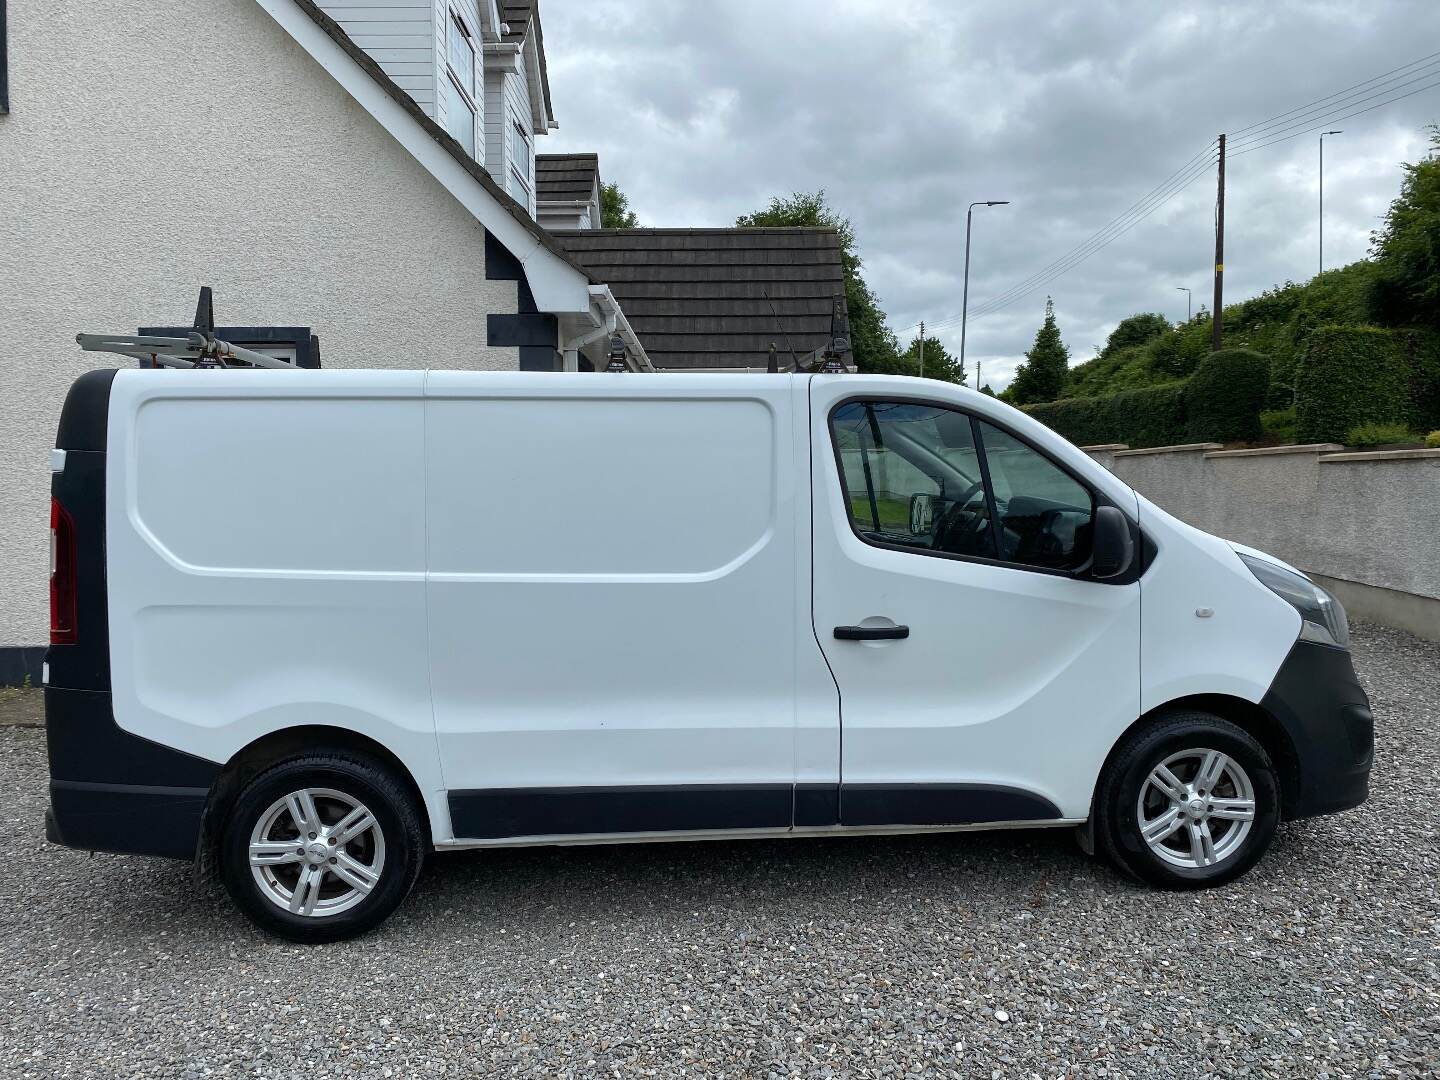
566, 177
718, 297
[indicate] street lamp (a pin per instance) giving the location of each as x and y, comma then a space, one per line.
1182, 288
965, 303
1322, 195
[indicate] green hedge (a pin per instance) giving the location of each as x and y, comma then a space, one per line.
1422, 362
1225, 395
1351, 375
1154, 416
1221, 402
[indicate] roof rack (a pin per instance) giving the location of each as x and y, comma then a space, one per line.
198, 349
828, 359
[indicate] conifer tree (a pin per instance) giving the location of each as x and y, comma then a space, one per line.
1042, 376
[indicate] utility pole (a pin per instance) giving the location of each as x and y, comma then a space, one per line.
922, 348
978, 382
1215, 319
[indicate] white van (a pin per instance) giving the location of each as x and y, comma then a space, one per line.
308, 626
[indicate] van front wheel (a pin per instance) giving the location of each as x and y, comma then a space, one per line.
1188, 802
322, 847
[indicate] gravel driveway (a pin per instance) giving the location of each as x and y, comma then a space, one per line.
973, 955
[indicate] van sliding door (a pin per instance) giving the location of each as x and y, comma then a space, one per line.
614, 599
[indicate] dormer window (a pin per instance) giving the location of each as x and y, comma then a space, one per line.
458, 88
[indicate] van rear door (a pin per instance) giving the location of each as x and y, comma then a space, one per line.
983, 675
613, 602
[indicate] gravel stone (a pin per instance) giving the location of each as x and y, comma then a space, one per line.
856, 957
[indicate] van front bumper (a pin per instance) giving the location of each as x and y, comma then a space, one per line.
1318, 699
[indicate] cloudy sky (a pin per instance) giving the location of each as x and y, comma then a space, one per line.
905, 111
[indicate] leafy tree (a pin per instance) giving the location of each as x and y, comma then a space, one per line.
615, 212
1136, 330
872, 343
987, 391
1407, 249
939, 364
1041, 377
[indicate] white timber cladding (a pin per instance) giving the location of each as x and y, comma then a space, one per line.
400, 35
103, 234
507, 107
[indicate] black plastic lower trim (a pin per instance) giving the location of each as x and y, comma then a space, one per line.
1318, 700
126, 818
940, 804
499, 812
493, 813
817, 805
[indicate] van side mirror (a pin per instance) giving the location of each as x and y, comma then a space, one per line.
1113, 548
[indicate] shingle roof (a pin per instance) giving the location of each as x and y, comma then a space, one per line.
439, 134
697, 298
566, 177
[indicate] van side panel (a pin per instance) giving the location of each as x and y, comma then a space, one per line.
613, 602
266, 560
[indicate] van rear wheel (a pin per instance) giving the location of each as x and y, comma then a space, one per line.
322, 847
1188, 802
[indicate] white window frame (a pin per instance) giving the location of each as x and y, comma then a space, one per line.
467, 95
517, 128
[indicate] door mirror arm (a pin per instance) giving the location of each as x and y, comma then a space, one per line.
1113, 544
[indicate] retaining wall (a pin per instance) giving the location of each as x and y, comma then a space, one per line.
1366, 524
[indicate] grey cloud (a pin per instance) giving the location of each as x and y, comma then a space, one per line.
905, 112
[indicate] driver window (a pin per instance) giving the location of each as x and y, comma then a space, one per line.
1045, 513
912, 477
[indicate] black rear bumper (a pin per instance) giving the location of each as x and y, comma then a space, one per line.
125, 818
114, 791
1318, 699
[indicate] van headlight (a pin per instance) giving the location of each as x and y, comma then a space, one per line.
1324, 618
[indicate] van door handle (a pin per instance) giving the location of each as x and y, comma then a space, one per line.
871, 633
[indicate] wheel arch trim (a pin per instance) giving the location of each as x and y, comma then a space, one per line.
275, 746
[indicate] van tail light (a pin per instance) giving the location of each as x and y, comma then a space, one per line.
63, 585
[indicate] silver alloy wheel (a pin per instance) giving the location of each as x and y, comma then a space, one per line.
317, 852
1196, 808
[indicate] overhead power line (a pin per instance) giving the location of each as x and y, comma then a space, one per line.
1178, 181
1323, 116
1197, 165
1341, 105
1343, 116
1405, 68
1093, 246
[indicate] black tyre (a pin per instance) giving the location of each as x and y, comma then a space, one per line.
322, 847
1187, 802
